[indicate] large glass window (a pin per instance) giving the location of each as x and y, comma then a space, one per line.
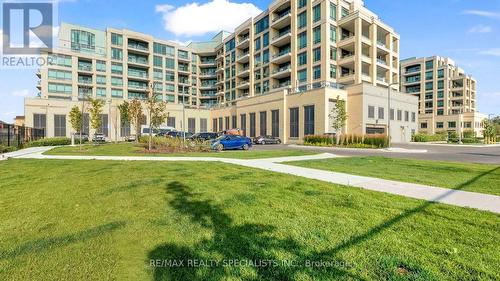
243, 123
317, 13
116, 39
308, 120
317, 72
317, 54
333, 33
333, 11
60, 88
263, 123
302, 40
429, 64
100, 66
59, 125
262, 25
252, 125
116, 54
302, 75
257, 44
82, 41
157, 61
116, 68
301, 3
40, 122
302, 58
302, 20
60, 74
265, 40
169, 63
317, 35
275, 123
294, 122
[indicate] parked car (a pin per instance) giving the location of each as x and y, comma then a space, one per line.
204, 136
99, 138
177, 134
226, 142
130, 138
266, 140
85, 137
161, 131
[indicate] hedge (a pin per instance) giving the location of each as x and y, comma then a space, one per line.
370, 141
49, 142
420, 137
5, 149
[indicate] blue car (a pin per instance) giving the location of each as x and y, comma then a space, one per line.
226, 142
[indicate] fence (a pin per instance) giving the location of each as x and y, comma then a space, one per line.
11, 135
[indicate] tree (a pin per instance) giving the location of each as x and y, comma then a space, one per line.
157, 111
76, 120
95, 110
124, 113
339, 117
489, 131
135, 116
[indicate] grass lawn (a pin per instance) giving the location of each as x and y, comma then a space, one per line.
108, 220
131, 149
481, 178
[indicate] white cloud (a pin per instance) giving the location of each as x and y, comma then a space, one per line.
21, 93
481, 29
486, 14
195, 19
490, 52
182, 43
10, 113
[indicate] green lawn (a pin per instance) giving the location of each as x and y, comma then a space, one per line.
465, 176
131, 149
108, 220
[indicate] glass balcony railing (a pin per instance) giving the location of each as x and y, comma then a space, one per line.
281, 53
138, 46
281, 34
282, 69
85, 67
85, 80
138, 60
279, 17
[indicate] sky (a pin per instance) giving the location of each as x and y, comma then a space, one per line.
468, 31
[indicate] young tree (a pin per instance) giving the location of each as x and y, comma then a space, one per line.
135, 116
157, 110
124, 113
96, 106
489, 131
339, 117
76, 120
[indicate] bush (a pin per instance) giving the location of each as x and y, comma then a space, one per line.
441, 136
355, 141
5, 149
49, 142
170, 145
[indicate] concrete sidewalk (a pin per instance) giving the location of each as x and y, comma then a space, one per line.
478, 201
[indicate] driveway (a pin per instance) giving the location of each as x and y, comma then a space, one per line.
453, 153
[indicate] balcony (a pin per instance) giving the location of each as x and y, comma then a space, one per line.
184, 70
140, 75
208, 74
138, 61
382, 81
382, 62
346, 41
243, 84
282, 72
346, 77
286, 84
85, 81
138, 46
85, 67
412, 70
282, 56
207, 63
281, 21
245, 72
383, 46
347, 58
243, 43
208, 85
243, 58
282, 38
137, 87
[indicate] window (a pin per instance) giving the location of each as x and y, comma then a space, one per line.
170, 76
60, 60
407, 116
116, 39
308, 120
116, 81
265, 40
317, 35
400, 115
440, 94
265, 57
101, 92
60, 88
294, 122
115, 93
59, 125
429, 64
203, 125
429, 86
257, 44
125, 129
333, 53
423, 125
441, 73
116, 54
214, 124
333, 33
381, 113
171, 122
243, 123
345, 12
252, 124
302, 40
263, 123
191, 125
226, 119
169, 63
275, 123
317, 13
157, 61
439, 125
371, 111
100, 66
301, 3
413, 117
116, 68
391, 114
317, 54
40, 122
452, 124
429, 75
333, 11
302, 75
440, 84
82, 41
101, 80
234, 122
59, 74
333, 71
104, 125
170, 51
262, 25
159, 49
302, 20
317, 72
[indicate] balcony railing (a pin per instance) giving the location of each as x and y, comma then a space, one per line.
279, 17
282, 34
282, 69
137, 46
85, 67
281, 53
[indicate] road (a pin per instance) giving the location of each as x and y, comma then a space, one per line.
469, 154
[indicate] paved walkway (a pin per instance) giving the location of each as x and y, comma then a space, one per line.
435, 194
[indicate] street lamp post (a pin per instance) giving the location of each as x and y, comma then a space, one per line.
183, 116
389, 113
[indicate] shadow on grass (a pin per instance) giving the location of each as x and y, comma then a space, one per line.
44, 244
256, 242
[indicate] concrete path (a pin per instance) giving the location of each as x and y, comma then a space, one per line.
479, 201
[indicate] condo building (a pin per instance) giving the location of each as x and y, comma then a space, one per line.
447, 95
278, 74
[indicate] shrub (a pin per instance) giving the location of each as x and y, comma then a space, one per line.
170, 145
355, 141
5, 149
49, 142
420, 137
323, 140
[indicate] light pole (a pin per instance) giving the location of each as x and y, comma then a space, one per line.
183, 116
389, 113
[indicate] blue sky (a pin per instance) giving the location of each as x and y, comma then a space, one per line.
468, 31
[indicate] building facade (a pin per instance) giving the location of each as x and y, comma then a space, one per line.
447, 95
279, 73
